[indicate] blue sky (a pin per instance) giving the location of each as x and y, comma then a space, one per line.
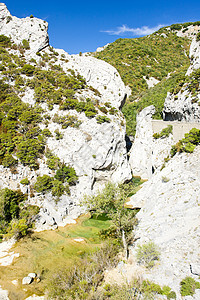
85, 25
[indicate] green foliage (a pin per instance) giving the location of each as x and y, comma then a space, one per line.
9, 160
188, 286
83, 278
102, 119
59, 184
165, 132
25, 181
147, 254
187, 144
67, 120
66, 174
17, 229
9, 208
176, 26
146, 56
111, 201
58, 189
25, 44
15, 217
53, 161
154, 96
4, 41
28, 151
46, 132
59, 135
43, 184
28, 69
8, 19
198, 37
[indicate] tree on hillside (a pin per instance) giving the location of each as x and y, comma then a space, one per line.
111, 201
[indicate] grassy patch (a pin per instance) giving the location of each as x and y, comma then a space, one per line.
48, 251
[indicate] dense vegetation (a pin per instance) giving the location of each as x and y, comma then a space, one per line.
111, 201
188, 143
147, 56
188, 286
15, 217
154, 96
157, 55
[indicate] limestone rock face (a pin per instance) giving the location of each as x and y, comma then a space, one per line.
97, 152
147, 154
181, 109
183, 106
170, 217
98, 74
194, 56
33, 29
141, 151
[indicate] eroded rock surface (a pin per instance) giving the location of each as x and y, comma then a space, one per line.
31, 29
96, 151
147, 154
170, 217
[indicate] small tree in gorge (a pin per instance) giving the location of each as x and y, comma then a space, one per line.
111, 201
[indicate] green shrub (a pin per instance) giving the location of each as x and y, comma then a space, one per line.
59, 189
9, 160
28, 69
188, 286
17, 229
90, 114
198, 37
4, 41
25, 44
188, 143
102, 119
67, 121
8, 19
28, 151
53, 161
25, 181
58, 134
46, 132
66, 174
81, 280
43, 184
147, 254
9, 204
165, 132
176, 27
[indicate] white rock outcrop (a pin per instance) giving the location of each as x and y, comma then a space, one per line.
96, 151
141, 150
194, 56
170, 217
31, 29
147, 154
181, 108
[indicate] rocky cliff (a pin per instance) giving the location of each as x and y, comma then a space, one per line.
96, 150
170, 217
30, 28
183, 104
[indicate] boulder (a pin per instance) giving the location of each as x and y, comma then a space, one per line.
27, 280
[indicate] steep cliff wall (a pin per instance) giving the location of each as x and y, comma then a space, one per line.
96, 150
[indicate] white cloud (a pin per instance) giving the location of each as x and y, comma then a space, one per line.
144, 30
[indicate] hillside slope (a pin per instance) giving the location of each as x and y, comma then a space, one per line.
152, 66
60, 124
